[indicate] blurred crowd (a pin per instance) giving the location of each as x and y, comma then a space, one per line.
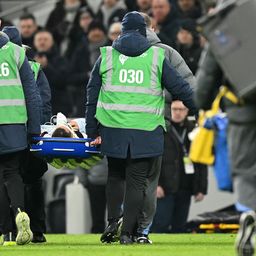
77, 28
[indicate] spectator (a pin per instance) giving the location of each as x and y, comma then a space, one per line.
179, 179
54, 67
166, 23
79, 36
28, 28
144, 6
78, 74
111, 11
64, 21
114, 32
189, 9
188, 44
96, 39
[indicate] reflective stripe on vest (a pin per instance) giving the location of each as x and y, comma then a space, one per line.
12, 100
7, 103
126, 107
136, 102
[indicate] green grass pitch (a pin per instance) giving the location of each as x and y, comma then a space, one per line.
169, 245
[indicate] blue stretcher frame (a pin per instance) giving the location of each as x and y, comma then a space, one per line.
63, 148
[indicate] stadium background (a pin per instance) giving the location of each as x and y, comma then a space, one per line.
12, 10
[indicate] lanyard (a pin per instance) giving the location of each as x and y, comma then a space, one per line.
181, 138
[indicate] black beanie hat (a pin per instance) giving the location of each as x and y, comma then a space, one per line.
134, 21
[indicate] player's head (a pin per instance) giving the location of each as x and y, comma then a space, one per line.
63, 132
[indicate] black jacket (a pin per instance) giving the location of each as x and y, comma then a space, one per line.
191, 54
194, 13
209, 79
45, 94
57, 24
117, 142
169, 28
56, 73
173, 177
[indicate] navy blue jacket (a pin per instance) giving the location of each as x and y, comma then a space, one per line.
13, 137
45, 94
120, 143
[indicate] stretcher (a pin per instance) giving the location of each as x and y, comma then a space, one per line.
66, 152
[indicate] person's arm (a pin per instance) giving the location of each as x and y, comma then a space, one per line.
177, 86
208, 80
45, 94
93, 90
200, 184
32, 97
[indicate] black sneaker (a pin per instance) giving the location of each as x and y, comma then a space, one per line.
246, 234
126, 239
38, 238
143, 239
112, 233
9, 239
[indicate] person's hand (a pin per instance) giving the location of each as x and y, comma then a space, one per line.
160, 192
74, 125
199, 197
96, 142
42, 60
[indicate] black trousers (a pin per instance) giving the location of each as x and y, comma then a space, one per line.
172, 213
128, 183
11, 190
32, 172
97, 194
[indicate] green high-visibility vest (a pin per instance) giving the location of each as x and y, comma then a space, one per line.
12, 101
35, 66
131, 96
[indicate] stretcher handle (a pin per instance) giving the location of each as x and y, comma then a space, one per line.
59, 139
63, 149
35, 150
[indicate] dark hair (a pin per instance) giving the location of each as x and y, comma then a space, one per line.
42, 30
85, 9
28, 16
96, 25
61, 132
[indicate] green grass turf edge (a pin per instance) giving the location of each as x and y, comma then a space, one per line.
163, 245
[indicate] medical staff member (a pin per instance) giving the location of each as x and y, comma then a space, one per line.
19, 121
125, 97
34, 167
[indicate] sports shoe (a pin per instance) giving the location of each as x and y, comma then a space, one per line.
38, 238
9, 239
112, 233
143, 239
24, 235
126, 239
246, 235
